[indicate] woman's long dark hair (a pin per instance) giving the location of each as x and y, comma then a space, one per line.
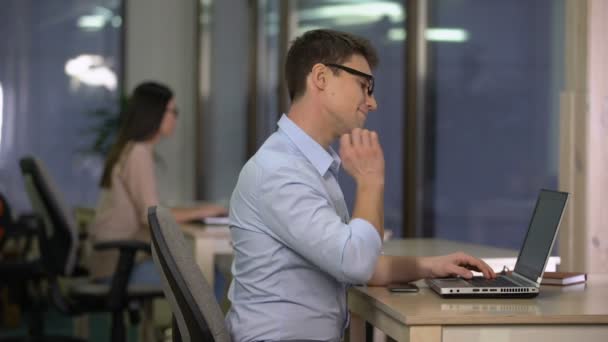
141, 120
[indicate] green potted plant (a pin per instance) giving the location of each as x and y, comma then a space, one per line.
107, 123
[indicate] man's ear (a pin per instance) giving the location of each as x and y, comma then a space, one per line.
318, 76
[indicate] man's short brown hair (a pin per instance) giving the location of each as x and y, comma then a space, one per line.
322, 46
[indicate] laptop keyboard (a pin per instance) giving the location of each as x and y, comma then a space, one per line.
498, 282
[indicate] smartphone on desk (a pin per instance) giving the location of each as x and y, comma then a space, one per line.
407, 287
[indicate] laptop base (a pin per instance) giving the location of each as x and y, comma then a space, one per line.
489, 295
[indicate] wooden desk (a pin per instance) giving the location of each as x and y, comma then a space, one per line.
570, 313
577, 312
209, 241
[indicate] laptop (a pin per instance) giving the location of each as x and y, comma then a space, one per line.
525, 279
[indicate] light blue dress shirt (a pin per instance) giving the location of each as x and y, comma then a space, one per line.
296, 250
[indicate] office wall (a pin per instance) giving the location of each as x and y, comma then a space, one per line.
160, 45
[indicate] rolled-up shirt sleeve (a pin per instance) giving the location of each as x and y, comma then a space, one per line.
298, 214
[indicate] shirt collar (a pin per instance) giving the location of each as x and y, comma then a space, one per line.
320, 158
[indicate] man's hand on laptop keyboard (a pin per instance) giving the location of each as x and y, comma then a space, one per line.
456, 264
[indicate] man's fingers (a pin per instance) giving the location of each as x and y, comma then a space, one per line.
366, 138
478, 265
460, 271
483, 267
345, 141
374, 138
356, 136
375, 142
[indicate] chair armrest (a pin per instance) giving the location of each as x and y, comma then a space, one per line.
117, 297
124, 245
26, 228
26, 225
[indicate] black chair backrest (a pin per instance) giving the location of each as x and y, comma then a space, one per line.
58, 236
6, 216
6, 220
192, 300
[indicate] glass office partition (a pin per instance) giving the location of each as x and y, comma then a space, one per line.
59, 62
268, 70
495, 72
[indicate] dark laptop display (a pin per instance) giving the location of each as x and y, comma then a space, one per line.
543, 227
531, 262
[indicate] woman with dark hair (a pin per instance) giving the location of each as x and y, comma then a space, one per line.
128, 183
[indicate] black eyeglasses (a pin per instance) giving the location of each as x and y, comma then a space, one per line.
369, 78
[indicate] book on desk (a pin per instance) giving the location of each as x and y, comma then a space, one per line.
563, 278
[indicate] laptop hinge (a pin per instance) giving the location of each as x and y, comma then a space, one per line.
525, 280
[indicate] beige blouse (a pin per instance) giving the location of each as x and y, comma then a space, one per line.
121, 212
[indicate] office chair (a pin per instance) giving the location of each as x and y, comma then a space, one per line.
196, 314
19, 233
58, 243
21, 275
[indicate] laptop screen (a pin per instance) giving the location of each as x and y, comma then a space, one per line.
541, 234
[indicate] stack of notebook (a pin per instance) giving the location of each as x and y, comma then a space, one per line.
563, 278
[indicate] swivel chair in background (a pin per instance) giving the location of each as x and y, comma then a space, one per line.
22, 275
58, 244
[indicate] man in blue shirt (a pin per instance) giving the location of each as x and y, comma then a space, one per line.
297, 249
